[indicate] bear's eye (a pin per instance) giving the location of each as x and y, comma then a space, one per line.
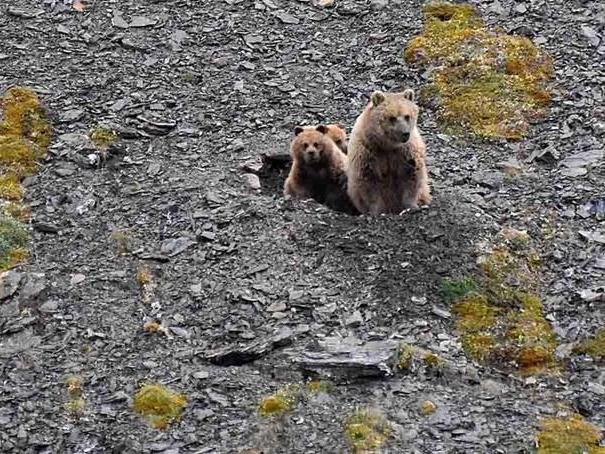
392, 119
305, 145
316, 145
407, 118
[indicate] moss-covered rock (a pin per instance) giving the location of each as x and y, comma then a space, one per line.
485, 83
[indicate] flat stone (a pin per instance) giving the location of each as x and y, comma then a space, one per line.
574, 172
49, 306
277, 307
354, 320
252, 181
174, 246
34, 285
9, 283
77, 279
582, 159
142, 21
488, 178
596, 388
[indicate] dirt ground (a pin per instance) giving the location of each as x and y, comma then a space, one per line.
198, 88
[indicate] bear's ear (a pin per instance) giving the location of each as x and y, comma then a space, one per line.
298, 130
378, 98
409, 94
341, 126
322, 128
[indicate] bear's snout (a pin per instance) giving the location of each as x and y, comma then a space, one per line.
405, 136
313, 154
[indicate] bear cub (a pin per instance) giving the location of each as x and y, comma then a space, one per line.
387, 156
318, 168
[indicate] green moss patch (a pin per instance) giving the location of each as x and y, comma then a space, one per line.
13, 242
25, 133
367, 430
159, 405
569, 435
485, 83
501, 321
594, 346
454, 289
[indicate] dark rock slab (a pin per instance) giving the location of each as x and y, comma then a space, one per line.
236, 355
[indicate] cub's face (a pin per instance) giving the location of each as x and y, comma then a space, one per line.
393, 115
338, 134
310, 145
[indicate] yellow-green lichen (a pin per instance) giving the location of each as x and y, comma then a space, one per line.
367, 430
10, 187
159, 405
485, 83
428, 407
75, 406
74, 385
281, 402
569, 435
103, 137
595, 346
144, 276
502, 321
24, 117
433, 361
17, 211
25, 133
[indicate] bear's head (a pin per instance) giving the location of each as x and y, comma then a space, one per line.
311, 146
338, 134
392, 116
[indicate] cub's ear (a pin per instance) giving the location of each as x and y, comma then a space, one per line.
378, 98
298, 130
341, 126
322, 128
409, 94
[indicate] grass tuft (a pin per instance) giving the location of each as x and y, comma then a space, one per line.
284, 400
367, 430
159, 405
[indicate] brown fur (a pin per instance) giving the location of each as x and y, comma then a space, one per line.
387, 156
318, 169
337, 133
